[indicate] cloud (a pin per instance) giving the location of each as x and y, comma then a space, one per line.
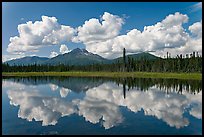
102, 104
64, 92
176, 19
53, 87
39, 107
62, 35
102, 36
94, 110
53, 54
63, 49
13, 85
93, 30
196, 112
95, 107
194, 42
166, 34
33, 36
155, 102
59, 105
196, 101
196, 29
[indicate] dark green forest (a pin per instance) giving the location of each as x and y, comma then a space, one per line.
180, 63
143, 84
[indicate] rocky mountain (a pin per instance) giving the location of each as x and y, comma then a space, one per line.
76, 57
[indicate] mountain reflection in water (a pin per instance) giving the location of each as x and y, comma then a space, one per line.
165, 99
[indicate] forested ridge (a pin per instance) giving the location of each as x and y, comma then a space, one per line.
181, 63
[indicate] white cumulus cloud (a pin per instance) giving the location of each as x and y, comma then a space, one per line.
33, 36
53, 54
64, 49
196, 29
167, 35
93, 31
102, 36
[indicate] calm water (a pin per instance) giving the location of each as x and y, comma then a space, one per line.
63, 105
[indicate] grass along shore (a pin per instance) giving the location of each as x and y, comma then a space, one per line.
195, 76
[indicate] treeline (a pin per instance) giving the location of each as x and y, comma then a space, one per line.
128, 83
168, 85
181, 63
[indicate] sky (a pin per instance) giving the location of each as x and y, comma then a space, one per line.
47, 29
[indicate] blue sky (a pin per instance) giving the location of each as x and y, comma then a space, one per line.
135, 15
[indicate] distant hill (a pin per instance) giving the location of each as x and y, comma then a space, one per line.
73, 83
76, 57
27, 60
138, 56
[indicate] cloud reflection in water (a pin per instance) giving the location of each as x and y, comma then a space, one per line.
101, 104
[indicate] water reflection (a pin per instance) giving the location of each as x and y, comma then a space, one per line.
33, 105
73, 83
170, 108
167, 100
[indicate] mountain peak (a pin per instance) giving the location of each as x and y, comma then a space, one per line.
76, 57
78, 51
85, 51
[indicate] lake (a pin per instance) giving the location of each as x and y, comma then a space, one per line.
71, 105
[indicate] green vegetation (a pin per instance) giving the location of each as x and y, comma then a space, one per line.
181, 67
179, 64
195, 76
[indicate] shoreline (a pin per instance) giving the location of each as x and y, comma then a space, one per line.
192, 76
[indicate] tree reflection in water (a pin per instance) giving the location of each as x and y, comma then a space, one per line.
165, 99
